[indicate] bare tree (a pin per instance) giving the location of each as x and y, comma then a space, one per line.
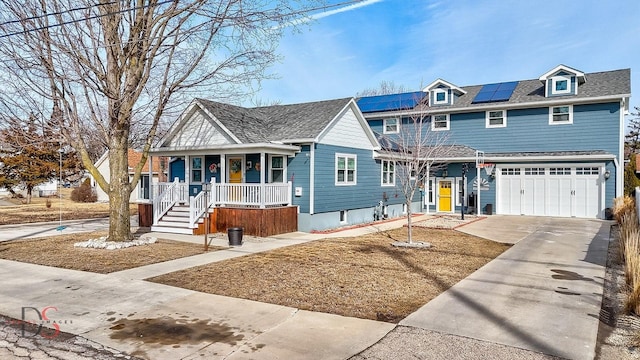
414, 152
385, 88
119, 67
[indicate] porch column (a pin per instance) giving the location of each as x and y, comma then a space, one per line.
427, 190
150, 160
262, 180
187, 170
223, 168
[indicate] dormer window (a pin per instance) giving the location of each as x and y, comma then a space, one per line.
443, 92
562, 80
560, 85
391, 126
440, 96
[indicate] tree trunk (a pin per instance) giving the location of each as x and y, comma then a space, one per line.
409, 233
119, 192
29, 193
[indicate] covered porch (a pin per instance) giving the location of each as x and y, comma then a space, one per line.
250, 179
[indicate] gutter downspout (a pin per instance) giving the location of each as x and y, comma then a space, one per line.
312, 173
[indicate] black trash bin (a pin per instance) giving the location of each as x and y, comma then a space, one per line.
235, 236
489, 209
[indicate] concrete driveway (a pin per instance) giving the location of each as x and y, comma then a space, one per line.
543, 294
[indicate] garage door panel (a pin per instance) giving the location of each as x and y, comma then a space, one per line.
549, 190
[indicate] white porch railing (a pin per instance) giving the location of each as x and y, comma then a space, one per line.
198, 205
252, 195
259, 195
166, 195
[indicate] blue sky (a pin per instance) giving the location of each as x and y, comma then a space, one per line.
466, 42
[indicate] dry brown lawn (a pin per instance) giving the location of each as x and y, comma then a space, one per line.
37, 211
58, 251
362, 277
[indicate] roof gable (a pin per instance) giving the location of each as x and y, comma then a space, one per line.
563, 70
439, 83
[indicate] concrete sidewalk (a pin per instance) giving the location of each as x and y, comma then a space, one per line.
179, 323
542, 296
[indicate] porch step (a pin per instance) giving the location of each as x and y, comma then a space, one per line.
176, 224
172, 230
176, 218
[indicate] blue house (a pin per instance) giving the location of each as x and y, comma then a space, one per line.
551, 146
317, 158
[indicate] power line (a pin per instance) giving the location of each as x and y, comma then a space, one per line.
79, 20
299, 12
54, 13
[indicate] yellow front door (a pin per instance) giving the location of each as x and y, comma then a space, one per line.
444, 190
235, 170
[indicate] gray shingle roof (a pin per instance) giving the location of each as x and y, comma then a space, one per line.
606, 83
277, 122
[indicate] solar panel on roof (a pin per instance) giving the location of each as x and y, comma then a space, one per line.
390, 102
495, 92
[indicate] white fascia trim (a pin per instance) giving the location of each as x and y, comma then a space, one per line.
445, 83
506, 159
283, 149
565, 68
534, 104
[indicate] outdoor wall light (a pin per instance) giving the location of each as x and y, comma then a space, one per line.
607, 174
493, 173
445, 173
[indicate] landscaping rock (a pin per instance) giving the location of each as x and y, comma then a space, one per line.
102, 243
418, 245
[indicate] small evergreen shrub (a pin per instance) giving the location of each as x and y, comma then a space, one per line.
84, 193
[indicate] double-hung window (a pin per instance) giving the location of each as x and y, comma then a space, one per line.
561, 115
391, 126
388, 173
346, 169
440, 122
277, 169
496, 118
196, 169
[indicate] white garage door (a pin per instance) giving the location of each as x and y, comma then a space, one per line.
566, 191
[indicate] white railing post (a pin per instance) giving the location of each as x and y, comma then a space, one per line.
289, 193
212, 194
262, 192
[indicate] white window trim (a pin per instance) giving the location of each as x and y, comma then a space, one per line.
440, 91
393, 174
556, 79
488, 123
432, 191
433, 122
343, 219
384, 126
458, 180
570, 121
346, 163
201, 169
284, 168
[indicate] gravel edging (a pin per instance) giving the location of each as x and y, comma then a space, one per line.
617, 331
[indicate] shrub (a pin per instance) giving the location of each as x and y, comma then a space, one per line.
48, 203
84, 193
621, 206
626, 215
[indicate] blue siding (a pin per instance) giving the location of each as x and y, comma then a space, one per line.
298, 172
176, 169
251, 174
595, 127
208, 161
365, 194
